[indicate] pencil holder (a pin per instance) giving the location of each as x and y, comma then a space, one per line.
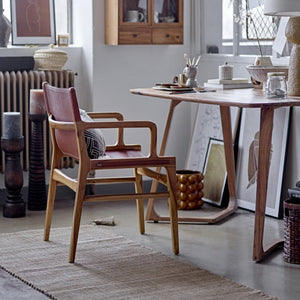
190, 72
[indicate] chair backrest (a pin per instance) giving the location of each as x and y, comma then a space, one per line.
62, 104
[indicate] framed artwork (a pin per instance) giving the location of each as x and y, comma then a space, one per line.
207, 126
215, 172
248, 157
33, 22
63, 40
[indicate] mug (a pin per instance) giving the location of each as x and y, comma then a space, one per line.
156, 17
134, 16
182, 80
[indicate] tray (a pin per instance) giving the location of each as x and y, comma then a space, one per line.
165, 87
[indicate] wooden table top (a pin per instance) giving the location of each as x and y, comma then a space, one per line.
234, 97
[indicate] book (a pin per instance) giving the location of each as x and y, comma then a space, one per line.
228, 86
228, 81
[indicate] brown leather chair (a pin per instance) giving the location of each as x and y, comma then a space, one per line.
67, 133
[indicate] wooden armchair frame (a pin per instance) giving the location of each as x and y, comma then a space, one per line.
119, 156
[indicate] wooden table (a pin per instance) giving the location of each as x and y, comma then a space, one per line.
244, 98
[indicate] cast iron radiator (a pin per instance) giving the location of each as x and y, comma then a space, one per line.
14, 97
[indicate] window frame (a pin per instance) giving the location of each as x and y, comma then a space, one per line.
237, 44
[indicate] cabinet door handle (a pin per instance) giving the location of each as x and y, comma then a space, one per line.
135, 35
167, 35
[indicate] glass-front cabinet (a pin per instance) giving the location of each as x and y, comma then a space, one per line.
143, 22
134, 11
166, 11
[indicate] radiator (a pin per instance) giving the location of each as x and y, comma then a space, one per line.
14, 97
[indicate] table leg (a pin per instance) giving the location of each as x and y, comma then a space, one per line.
265, 138
152, 215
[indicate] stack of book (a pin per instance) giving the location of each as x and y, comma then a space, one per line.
234, 83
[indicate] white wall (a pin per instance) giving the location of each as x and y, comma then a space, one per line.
108, 72
120, 68
83, 36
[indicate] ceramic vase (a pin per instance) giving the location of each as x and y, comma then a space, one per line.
5, 29
190, 72
189, 189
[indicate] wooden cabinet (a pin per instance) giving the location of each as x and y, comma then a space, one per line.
143, 22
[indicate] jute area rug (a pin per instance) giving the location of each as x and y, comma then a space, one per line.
108, 267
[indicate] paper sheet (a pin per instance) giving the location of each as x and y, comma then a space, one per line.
255, 3
280, 40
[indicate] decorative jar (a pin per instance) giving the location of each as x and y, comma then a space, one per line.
225, 72
50, 59
276, 85
189, 189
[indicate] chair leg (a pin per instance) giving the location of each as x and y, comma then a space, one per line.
80, 193
50, 206
171, 175
139, 202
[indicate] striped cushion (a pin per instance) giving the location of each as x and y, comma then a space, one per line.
94, 138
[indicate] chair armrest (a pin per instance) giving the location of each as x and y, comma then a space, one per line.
81, 126
106, 115
61, 125
126, 124
111, 115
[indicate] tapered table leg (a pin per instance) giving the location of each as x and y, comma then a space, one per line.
265, 138
152, 215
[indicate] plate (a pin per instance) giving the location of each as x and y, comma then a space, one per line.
172, 88
181, 88
167, 85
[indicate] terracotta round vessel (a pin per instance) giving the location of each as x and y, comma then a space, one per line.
189, 189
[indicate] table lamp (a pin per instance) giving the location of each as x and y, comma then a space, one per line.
289, 8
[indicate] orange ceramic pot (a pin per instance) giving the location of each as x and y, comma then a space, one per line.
189, 189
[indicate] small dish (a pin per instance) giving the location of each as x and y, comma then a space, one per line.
169, 19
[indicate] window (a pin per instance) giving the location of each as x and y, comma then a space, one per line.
63, 16
238, 27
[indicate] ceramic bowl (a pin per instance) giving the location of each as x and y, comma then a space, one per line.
260, 73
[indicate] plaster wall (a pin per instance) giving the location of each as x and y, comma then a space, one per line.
110, 71
106, 73
120, 68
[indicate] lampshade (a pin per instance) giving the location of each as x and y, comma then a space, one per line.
282, 7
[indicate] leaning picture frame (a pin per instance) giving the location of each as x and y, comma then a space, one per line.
215, 171
33, 22
248, 157
207, 126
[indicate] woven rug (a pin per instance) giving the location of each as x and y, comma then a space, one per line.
108, 267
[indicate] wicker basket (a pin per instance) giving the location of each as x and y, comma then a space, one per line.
50, 59
291, 221
189, 189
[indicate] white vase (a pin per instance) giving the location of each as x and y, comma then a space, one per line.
264, 61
